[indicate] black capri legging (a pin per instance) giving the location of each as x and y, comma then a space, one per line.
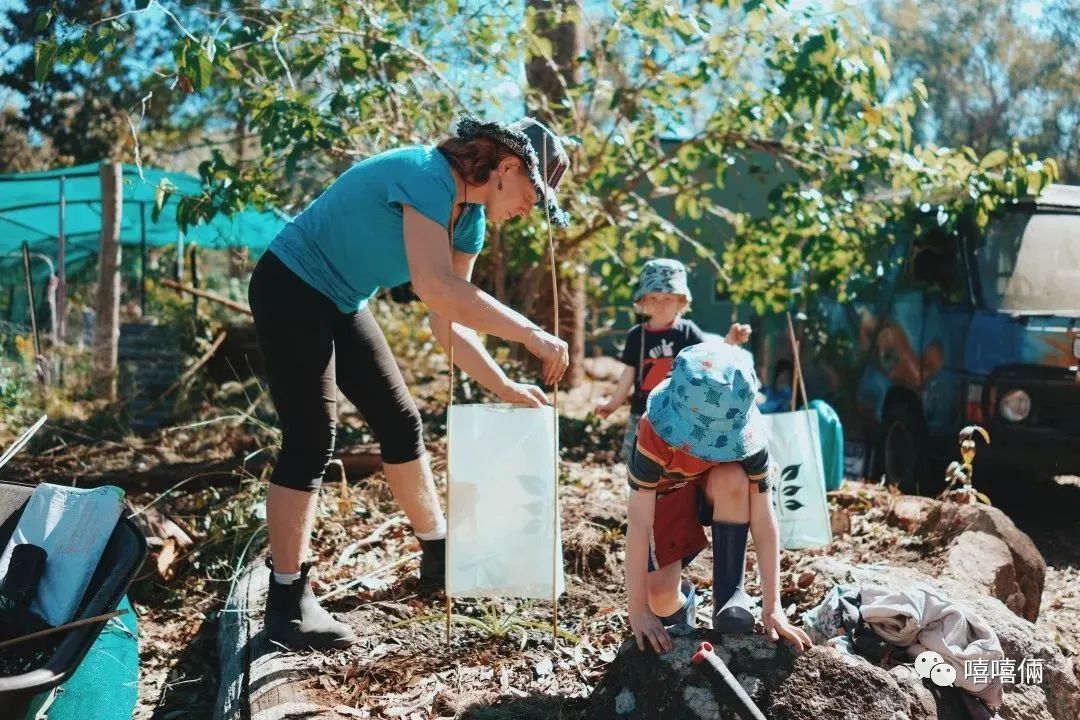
310, 349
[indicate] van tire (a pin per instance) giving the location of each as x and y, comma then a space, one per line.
904, 449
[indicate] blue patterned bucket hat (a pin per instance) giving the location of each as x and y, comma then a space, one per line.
707, 407
662, 276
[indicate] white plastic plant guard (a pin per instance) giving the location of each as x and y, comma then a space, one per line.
503, 529
802, 507
73, 526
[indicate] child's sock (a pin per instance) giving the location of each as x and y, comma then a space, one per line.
686, 614
731, 606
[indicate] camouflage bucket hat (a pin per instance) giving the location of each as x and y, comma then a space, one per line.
663, 276
533, 142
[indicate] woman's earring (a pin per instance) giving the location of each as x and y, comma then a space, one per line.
500, 183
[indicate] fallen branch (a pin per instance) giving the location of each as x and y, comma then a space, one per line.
63, 628
367, 576
213, 297
190, 372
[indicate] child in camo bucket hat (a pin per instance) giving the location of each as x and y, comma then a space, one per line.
663, 276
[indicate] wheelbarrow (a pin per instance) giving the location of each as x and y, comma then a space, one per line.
123, 555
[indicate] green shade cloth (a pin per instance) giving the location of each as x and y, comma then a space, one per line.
30, 210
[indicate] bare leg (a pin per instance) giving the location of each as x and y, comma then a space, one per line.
728, 489
413, 487
290, 516
665, 595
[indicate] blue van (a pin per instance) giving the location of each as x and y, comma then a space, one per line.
977, 327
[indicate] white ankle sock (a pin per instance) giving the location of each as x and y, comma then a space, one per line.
438, 533
286, 578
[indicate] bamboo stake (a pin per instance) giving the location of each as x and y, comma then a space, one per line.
555, 401
231, 304
63, 628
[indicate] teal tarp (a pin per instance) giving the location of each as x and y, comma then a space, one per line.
30, 212
106, 684
832, 444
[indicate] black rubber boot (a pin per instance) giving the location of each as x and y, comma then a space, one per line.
687, 614
731, 605
433, 564
295, 619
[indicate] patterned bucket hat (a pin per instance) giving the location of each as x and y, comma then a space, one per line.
707, 407
663, 276
534, 143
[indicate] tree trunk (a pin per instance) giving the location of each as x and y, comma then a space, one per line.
567, 43
107, 334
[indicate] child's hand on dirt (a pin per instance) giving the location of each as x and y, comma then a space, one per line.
777, 627
606, 408
647, 626
738, 334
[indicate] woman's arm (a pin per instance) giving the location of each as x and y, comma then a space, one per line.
427, 247
470, 354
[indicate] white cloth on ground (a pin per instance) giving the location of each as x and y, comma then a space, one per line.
920, 618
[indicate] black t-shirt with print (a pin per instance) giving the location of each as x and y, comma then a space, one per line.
661, 347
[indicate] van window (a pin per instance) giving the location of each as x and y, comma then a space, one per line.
1029, 263
936, 268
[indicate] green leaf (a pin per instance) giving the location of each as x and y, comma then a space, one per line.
993, 159
42, 20
44, 57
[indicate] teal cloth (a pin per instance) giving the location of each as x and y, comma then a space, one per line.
832, 444
350, 242
106, 684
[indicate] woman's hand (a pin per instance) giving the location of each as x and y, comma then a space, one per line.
522, 394
777, 627
551, 351
647, 626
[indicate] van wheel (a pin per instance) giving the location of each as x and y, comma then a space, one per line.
904, 448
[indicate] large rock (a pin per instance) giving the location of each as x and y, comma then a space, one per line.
644, 685
950, 520
827, 684
818, 685
985, 560
909, 512
1057, 697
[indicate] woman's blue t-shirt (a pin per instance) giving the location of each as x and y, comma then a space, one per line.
350, 241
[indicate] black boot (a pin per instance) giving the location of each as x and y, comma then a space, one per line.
731, 605
433, 564
295, 619
687, 614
